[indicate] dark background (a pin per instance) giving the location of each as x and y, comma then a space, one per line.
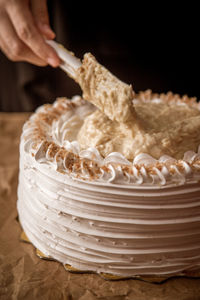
150, 46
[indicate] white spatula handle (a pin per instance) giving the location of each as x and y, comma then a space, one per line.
69, 63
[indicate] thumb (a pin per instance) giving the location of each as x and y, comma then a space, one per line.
40, 14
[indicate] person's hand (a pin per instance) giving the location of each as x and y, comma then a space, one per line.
24, 26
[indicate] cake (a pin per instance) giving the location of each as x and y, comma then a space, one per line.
102, 196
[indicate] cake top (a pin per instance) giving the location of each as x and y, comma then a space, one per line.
52, 133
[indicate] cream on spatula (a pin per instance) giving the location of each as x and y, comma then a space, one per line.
100, 87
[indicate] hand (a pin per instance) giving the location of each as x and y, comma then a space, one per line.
24, 26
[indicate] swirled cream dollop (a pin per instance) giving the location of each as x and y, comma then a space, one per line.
167, 129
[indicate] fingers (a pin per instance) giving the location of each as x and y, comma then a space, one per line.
27, 31
40, 14
11, 45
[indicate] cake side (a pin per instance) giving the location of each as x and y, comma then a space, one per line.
111, 228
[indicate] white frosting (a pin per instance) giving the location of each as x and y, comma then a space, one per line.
125, 223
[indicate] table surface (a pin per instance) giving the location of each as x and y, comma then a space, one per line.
25, 276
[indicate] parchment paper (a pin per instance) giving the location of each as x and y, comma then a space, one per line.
25, 276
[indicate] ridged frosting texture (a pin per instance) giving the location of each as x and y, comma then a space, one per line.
122, 218
110, 228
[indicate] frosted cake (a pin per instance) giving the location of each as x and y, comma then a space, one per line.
113, 186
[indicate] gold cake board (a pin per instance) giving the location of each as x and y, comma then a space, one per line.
107, 276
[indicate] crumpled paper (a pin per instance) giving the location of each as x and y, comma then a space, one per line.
24, 276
